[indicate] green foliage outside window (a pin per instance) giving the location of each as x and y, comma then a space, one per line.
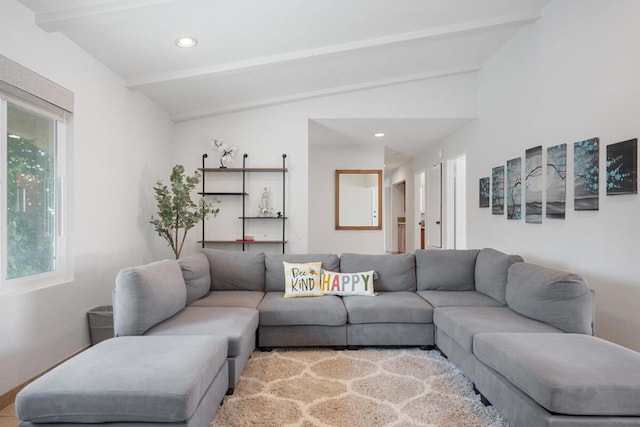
30, 209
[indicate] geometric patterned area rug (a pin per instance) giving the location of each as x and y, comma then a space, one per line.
366, 387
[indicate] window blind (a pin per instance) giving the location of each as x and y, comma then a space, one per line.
22, 84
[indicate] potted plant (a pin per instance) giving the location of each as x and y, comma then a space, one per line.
176, 211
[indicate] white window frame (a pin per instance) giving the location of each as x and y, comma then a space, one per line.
62, 272
58, 106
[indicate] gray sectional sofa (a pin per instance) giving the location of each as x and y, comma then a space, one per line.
521, 332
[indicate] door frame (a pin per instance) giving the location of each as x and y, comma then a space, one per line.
434, 206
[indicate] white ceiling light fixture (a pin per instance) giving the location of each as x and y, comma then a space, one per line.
378, 135
186, 41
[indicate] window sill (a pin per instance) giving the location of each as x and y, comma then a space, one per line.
21, 286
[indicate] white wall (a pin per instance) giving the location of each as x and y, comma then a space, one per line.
571, 76
323, 162
121, 146
266, 133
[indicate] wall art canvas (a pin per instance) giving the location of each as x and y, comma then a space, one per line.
485, 191
497, 190
533, 185
622, 168
514, 188
586, 172
556, 181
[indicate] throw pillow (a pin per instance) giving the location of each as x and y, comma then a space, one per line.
302, 279
274, 273
345, 284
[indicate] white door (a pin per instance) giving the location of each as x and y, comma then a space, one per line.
456, 203
434, 206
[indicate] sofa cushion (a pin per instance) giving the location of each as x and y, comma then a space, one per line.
395, 272
458, 299
235, 271
127, 379
146, 295
275, 310
302, 279
274, 269
554, 297
237, 324
461, 324
573, 374
197, 276
343, 284
388, 307
248, 299
491, 273
447, 269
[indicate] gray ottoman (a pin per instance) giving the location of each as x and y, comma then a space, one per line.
570, 374
127, 381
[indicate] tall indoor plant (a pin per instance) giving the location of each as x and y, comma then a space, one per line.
177, 212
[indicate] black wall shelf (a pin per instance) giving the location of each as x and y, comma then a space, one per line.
223, 193
263, 217
244, 218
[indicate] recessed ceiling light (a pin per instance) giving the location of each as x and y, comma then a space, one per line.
186, 41
379, 135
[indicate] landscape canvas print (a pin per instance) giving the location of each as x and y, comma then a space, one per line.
533, 185
556, 181
497, 190
485, 191
622, 167
514, 188
586, 173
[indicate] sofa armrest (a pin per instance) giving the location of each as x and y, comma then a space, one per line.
146, 295
555, 297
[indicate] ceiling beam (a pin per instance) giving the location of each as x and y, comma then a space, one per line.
373, 43
59, 20
252, 105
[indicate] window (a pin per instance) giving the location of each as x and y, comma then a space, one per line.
31, 193
33, 142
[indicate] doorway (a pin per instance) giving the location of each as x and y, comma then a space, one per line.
398, 216
421, 178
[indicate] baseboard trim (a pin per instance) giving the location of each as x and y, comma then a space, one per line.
9, 397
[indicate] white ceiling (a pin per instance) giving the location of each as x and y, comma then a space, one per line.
253, 53
403, 138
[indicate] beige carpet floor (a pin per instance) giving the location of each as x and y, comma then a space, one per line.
367, 387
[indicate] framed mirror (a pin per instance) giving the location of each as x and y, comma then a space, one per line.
358, 199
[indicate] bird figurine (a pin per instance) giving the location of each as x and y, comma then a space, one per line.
227, 152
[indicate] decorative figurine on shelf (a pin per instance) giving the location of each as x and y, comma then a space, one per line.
226, 151
266, 211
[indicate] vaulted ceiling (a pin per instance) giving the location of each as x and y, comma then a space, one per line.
253, 53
